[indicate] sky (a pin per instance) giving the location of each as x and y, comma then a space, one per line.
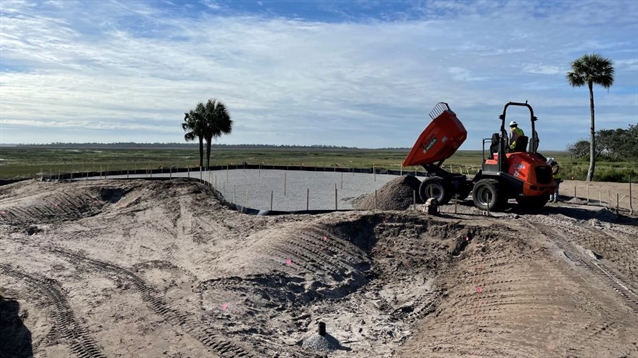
356, 73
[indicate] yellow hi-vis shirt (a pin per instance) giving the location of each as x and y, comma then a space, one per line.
514, 134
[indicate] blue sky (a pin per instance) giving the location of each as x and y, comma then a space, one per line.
353, 73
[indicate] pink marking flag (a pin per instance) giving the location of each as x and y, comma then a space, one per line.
479, 289
224, 306
3, 212
289, 262
467, 238
325, 238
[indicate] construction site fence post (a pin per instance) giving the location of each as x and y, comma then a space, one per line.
374, 172
336, 205
617, 203
307, 198
284, 184
272, 192
631, 199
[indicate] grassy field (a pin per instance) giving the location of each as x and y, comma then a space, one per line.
19, 162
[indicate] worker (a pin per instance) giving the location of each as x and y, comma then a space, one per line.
515, 132
557, 178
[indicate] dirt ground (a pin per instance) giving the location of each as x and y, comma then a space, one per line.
163, 269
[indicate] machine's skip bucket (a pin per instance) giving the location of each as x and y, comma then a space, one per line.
440, 139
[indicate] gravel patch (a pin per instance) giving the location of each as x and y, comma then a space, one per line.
321, 343
315, 190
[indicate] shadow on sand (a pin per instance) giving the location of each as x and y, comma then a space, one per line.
15, 337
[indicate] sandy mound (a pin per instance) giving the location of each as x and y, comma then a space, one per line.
161, 268
395, 195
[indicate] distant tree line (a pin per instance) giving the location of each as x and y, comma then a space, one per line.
611, 144
72, 145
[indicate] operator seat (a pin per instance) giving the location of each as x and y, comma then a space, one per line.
521, 144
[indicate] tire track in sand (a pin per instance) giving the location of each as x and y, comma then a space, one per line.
208, 336
81, 343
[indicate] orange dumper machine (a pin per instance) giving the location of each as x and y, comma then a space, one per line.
522, 173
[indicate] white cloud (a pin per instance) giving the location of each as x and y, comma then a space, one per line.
127, 66
544, 69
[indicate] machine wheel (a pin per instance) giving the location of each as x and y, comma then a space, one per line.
532, 203
488, 196
440, 189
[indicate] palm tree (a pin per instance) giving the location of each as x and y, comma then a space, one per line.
591, 69
193, 127
215, 122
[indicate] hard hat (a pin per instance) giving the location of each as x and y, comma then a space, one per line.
513, 124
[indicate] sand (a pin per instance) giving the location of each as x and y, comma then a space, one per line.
161, 268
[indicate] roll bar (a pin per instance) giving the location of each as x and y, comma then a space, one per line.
533, 143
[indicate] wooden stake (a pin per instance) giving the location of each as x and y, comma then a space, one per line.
600, 196
284, 184
575, 191
307, 198
336, 205
489, 199
272, 192
617, 203
631, 199
170, 175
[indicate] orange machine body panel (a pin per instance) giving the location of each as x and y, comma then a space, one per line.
440, 140
531, 169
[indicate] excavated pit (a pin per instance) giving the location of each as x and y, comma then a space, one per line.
166, 263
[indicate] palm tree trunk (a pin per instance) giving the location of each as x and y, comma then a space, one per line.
208, 143
201, 151
592, 147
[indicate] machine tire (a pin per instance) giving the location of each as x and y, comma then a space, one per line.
532, 203
488, 196
441, 190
